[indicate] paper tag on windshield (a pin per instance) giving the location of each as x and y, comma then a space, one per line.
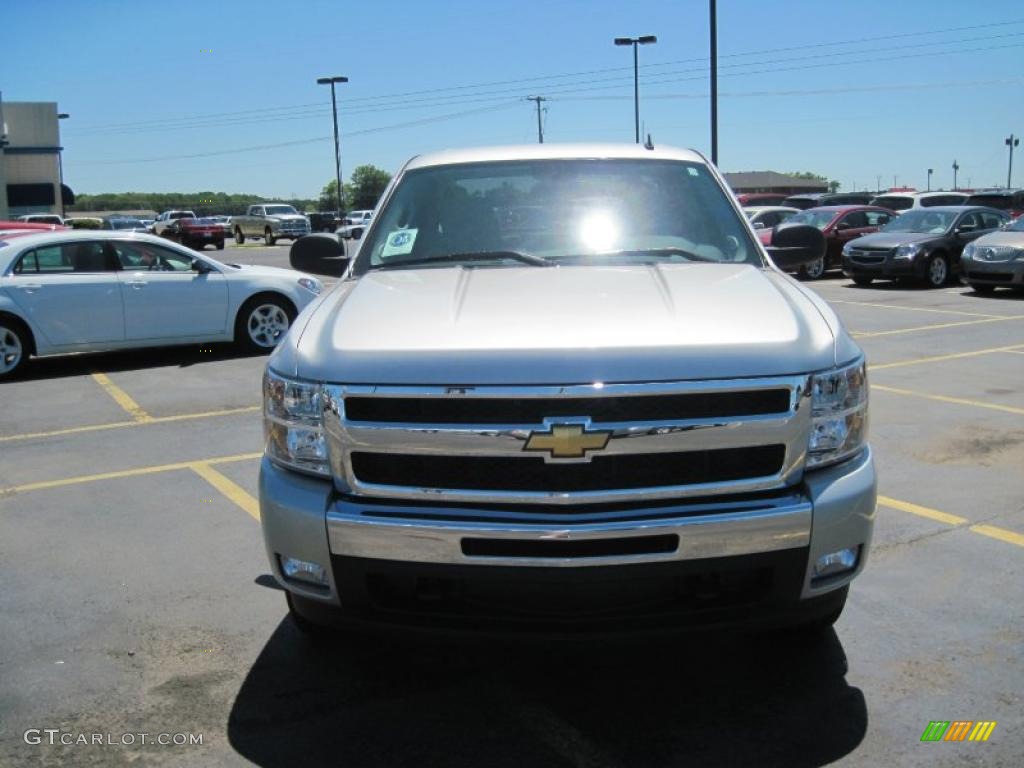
399, 243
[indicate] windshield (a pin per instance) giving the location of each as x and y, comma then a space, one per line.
280, 210
1016, 225
819, 219
922, 221
557, 212
125, 223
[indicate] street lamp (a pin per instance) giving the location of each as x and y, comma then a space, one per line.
930, 171
635, 41
60, 164
956, 168
1011, 142
337, 147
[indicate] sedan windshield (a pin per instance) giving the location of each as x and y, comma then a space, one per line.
819, 219
280, 210
922, 221
551, 212
126, 224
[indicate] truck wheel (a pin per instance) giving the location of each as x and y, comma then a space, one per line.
239, 237
316, 633
15, 343
863, 280
936, 271
263, 321
268, 236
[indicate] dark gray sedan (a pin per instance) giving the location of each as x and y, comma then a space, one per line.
996, 260
922, 244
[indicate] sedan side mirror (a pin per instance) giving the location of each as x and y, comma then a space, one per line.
795, 245
201, 267
319, 254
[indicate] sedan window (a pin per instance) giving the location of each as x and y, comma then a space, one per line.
991, 221
137, 256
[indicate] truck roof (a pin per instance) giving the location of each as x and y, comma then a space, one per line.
551, 152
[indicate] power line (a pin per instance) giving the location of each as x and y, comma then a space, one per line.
353, 104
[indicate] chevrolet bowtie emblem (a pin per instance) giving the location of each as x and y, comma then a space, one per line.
567, 441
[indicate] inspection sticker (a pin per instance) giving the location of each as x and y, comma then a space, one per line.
399, 242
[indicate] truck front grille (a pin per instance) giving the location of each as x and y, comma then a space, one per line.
508, 445
603, 473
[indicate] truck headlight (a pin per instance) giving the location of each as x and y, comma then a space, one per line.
839, 414
293, 424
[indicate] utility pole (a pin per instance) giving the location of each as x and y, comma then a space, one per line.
1011, 142
878, 183
540, 125
955, 169
713, 12
337, 146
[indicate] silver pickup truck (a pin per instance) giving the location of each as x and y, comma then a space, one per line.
272, 222
565, 388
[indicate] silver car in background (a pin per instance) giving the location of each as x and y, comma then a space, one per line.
996, 260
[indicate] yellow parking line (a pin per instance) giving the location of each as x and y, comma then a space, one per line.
999, 533
122, 424
232, 490
917, 509
937, 326
914, 309
121, 397
946, 399
46, 484
940, 358
992, 531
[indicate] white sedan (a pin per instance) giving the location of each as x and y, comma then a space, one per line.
88, 291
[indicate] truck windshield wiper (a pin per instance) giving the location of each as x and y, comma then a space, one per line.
688, 255
525, 258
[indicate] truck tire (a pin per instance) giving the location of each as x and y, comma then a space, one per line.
263, 321
15, 346
239, 237
812, 271
268, 236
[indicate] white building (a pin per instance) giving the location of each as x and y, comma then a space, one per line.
30, 160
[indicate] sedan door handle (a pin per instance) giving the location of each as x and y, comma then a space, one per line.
136, 284
30, 287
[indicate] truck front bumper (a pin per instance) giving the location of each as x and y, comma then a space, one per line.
743, 556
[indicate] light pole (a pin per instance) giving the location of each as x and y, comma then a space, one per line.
955, 169
337, 147
713, 24
60, 164
930, 171
1011, 142
635, 41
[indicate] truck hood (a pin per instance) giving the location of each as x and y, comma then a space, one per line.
287, 217
564, 325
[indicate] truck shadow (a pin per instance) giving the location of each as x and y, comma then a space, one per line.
708, 700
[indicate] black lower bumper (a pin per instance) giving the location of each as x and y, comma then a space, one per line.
751, 591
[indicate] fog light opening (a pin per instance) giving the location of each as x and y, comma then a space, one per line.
836, 563
303, 571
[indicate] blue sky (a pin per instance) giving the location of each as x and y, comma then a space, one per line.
853, 91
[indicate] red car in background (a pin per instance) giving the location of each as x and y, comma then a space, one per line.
839, 224
27, 226
196, 233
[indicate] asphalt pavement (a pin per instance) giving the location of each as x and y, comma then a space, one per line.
138, 600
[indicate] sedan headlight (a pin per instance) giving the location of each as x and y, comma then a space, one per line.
311, 284
839, 414
847, 249
293, 424
907, 251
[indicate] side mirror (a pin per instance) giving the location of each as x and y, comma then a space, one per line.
319, 254
758, 225
795, 245
201, 267
842, 225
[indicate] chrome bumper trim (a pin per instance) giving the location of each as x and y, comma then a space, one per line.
353, 534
